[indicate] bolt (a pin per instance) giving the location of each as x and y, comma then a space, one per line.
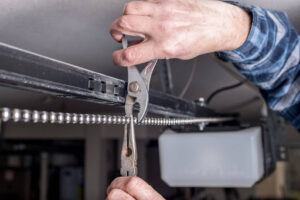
134, 87
201, 102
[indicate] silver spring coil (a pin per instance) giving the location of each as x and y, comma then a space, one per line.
18, 115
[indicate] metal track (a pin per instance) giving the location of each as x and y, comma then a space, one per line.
33, 72
18, 115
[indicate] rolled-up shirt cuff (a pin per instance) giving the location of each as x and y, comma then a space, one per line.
256, 38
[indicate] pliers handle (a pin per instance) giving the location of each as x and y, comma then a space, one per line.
129, 151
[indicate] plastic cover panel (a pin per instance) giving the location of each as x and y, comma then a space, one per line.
214, 159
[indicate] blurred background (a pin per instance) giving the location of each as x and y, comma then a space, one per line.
72, 162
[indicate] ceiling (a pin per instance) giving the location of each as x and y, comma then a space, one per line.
77, 32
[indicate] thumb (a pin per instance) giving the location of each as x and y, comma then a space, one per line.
135, 54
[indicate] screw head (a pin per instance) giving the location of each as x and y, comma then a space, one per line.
201, 101
134, 87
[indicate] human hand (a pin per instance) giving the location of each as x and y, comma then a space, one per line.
131, 188
180, 29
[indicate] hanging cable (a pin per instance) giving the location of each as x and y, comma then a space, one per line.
228, 68
190, 79
242, 80
218, 91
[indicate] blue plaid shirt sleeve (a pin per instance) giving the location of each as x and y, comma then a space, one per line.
270, 58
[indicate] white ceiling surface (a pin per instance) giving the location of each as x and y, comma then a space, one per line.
77, 32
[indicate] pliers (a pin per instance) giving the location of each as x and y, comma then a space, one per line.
137, 93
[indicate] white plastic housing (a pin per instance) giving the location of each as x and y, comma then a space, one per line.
218, 159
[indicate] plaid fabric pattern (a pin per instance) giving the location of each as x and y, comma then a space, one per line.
270, 58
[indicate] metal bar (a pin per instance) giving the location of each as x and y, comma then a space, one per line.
43, 176
30, 71
26, 70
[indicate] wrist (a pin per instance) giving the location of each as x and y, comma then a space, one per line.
240, 28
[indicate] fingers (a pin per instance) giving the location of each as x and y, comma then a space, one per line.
131, 25
135, 54
117, 194
135, 21
135, 187
142, 8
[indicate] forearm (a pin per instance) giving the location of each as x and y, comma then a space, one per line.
270, 59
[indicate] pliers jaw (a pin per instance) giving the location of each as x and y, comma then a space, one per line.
129, 151
138, 89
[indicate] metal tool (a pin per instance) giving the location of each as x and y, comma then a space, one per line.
137, 93
129, 151
138, 87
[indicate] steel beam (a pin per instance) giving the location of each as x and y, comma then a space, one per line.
30, 71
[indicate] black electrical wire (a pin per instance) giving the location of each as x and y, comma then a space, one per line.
218, 91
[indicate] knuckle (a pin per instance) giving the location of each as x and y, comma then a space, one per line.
113, 194
129, 55
131, 7
112, 27
116, 61
168, 50
165, 27
132, 184
168, 9
123, 22
127, 8
112, 31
